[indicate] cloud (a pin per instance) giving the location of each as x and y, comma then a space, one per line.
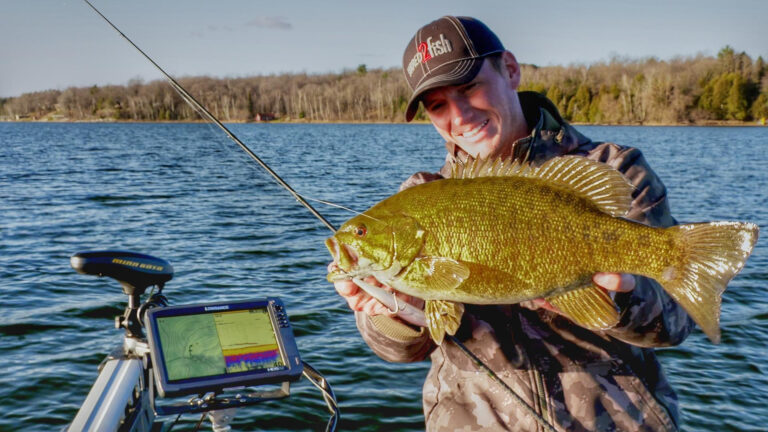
212, 28
215, 28
279, 23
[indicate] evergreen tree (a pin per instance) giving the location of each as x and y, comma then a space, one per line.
555, 94
759, 108
726, 57
578, 106
736, 102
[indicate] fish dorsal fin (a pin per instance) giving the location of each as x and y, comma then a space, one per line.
600, 183
489, 168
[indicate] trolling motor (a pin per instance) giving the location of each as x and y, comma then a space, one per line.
136, 272
214, 352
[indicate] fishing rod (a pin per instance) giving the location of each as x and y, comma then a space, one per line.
404, 309
207, 115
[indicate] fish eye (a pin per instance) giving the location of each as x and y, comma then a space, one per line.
360, 230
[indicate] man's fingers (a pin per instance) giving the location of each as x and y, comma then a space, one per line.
617, 282
374, 307
358, 301
541, 303
346, 288
361, 301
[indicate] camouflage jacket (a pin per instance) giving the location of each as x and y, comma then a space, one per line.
574, 378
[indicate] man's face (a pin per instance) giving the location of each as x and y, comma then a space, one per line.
482, 116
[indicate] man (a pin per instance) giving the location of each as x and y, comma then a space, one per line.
574, 378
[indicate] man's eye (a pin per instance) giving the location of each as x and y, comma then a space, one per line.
435, 106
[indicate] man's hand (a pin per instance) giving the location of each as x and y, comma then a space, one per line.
359, 300
614, 282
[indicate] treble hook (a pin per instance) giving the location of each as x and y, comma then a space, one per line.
397, 305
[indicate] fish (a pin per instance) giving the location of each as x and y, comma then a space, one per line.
504, 232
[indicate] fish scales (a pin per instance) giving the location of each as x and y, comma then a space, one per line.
525, 227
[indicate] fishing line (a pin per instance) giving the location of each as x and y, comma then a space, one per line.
332, 204
203, 112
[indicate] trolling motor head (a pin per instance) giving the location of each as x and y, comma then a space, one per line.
135, 272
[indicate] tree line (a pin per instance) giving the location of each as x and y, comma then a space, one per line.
729, 87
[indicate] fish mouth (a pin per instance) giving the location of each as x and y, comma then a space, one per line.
344, 256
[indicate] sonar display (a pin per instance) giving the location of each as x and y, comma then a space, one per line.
248, 340
218, 343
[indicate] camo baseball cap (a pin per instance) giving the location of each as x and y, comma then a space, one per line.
447, 51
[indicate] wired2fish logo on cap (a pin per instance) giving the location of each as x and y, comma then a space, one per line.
427, 50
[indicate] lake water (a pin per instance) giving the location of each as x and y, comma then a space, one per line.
185, 193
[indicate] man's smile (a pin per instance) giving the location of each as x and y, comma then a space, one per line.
474, 132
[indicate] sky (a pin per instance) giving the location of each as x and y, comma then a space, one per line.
55, 44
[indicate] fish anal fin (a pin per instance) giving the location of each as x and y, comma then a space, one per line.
597, 182
589, 306
442, 317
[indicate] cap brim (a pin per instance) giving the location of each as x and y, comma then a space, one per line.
456, 73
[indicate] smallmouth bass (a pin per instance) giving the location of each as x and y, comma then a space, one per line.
503, 232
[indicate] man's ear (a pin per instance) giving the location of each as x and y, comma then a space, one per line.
512, 68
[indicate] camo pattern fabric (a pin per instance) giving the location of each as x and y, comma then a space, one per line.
576, 379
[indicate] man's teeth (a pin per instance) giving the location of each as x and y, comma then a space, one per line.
474, 131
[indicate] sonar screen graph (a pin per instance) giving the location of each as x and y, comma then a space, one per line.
259, 357
248, 340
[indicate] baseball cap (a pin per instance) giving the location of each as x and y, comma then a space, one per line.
447, 51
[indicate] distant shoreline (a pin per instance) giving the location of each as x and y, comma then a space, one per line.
730, 89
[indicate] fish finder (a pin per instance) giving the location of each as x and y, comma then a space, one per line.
213, 347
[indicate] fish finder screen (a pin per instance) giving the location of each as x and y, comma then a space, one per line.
220, 343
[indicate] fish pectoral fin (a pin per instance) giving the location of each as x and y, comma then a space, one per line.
442, 317
436, 274
589, 306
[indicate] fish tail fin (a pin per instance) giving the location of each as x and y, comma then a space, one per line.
711, 254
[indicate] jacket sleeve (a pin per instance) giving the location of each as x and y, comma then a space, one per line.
649, 316
389, 338
393, 340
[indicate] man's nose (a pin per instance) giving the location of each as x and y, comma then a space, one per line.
460, 111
